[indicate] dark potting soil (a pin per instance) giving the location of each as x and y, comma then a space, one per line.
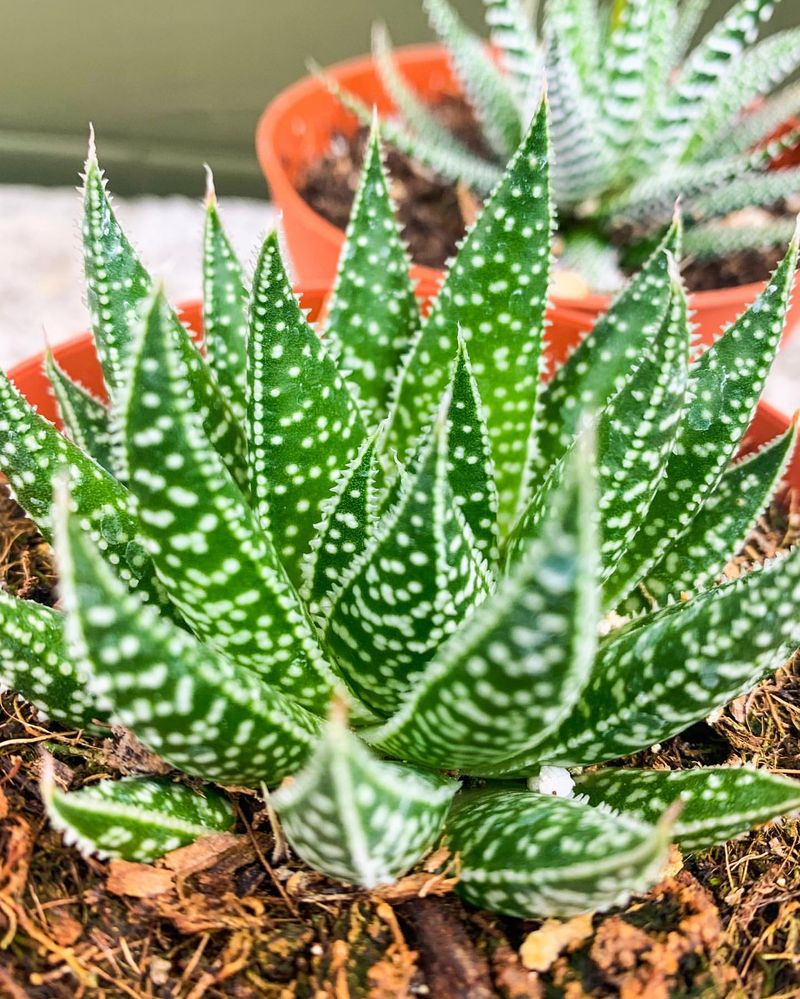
434, 213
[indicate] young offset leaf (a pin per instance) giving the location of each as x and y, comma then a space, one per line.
718, 803
536, 856
136, 818
215, 561
495, 293
85, 418
511, 673
355, 817
605, 360
373, 311
723, 524
185, 702
724, 387
345, 528
117, 287
32, 452
470, 467
34, 663
415, 582
225, 300
664, 672
485, 86
303, 424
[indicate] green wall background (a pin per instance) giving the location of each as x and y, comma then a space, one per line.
170, 84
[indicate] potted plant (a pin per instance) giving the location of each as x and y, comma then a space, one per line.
396, 572
626, 147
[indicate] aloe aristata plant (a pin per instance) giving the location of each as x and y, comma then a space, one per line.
639, 117
494, 578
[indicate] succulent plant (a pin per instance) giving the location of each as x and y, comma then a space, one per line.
394, 569
638, 119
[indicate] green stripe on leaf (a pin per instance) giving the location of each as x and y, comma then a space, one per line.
358, 818
717, 803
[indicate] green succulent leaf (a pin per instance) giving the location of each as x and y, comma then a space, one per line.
486, 88
136, 818
416, 115
751, 189
185, 702
662, 673
758, 71
85, 418
32, 452
605, 360
699, 82
723, 524
635, 68
690, 15
635, 435
304, 426
34, 663
495, 294
512, 32
345, 528
415, 582
725, 384
536, 856
470, 467
358, 818
511, 673
757, 123
225, 302
584, 164
715, 240
117, 287
210, 552
718, 803
577, 25
373, 311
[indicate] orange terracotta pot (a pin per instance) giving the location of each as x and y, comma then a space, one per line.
295, 131
77, 357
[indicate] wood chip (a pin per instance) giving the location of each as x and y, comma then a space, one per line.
540, 949
137, 880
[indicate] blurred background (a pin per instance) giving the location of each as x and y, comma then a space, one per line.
171, 84
168, 86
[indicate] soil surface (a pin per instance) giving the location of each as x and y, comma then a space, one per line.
236, 915
435, 214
